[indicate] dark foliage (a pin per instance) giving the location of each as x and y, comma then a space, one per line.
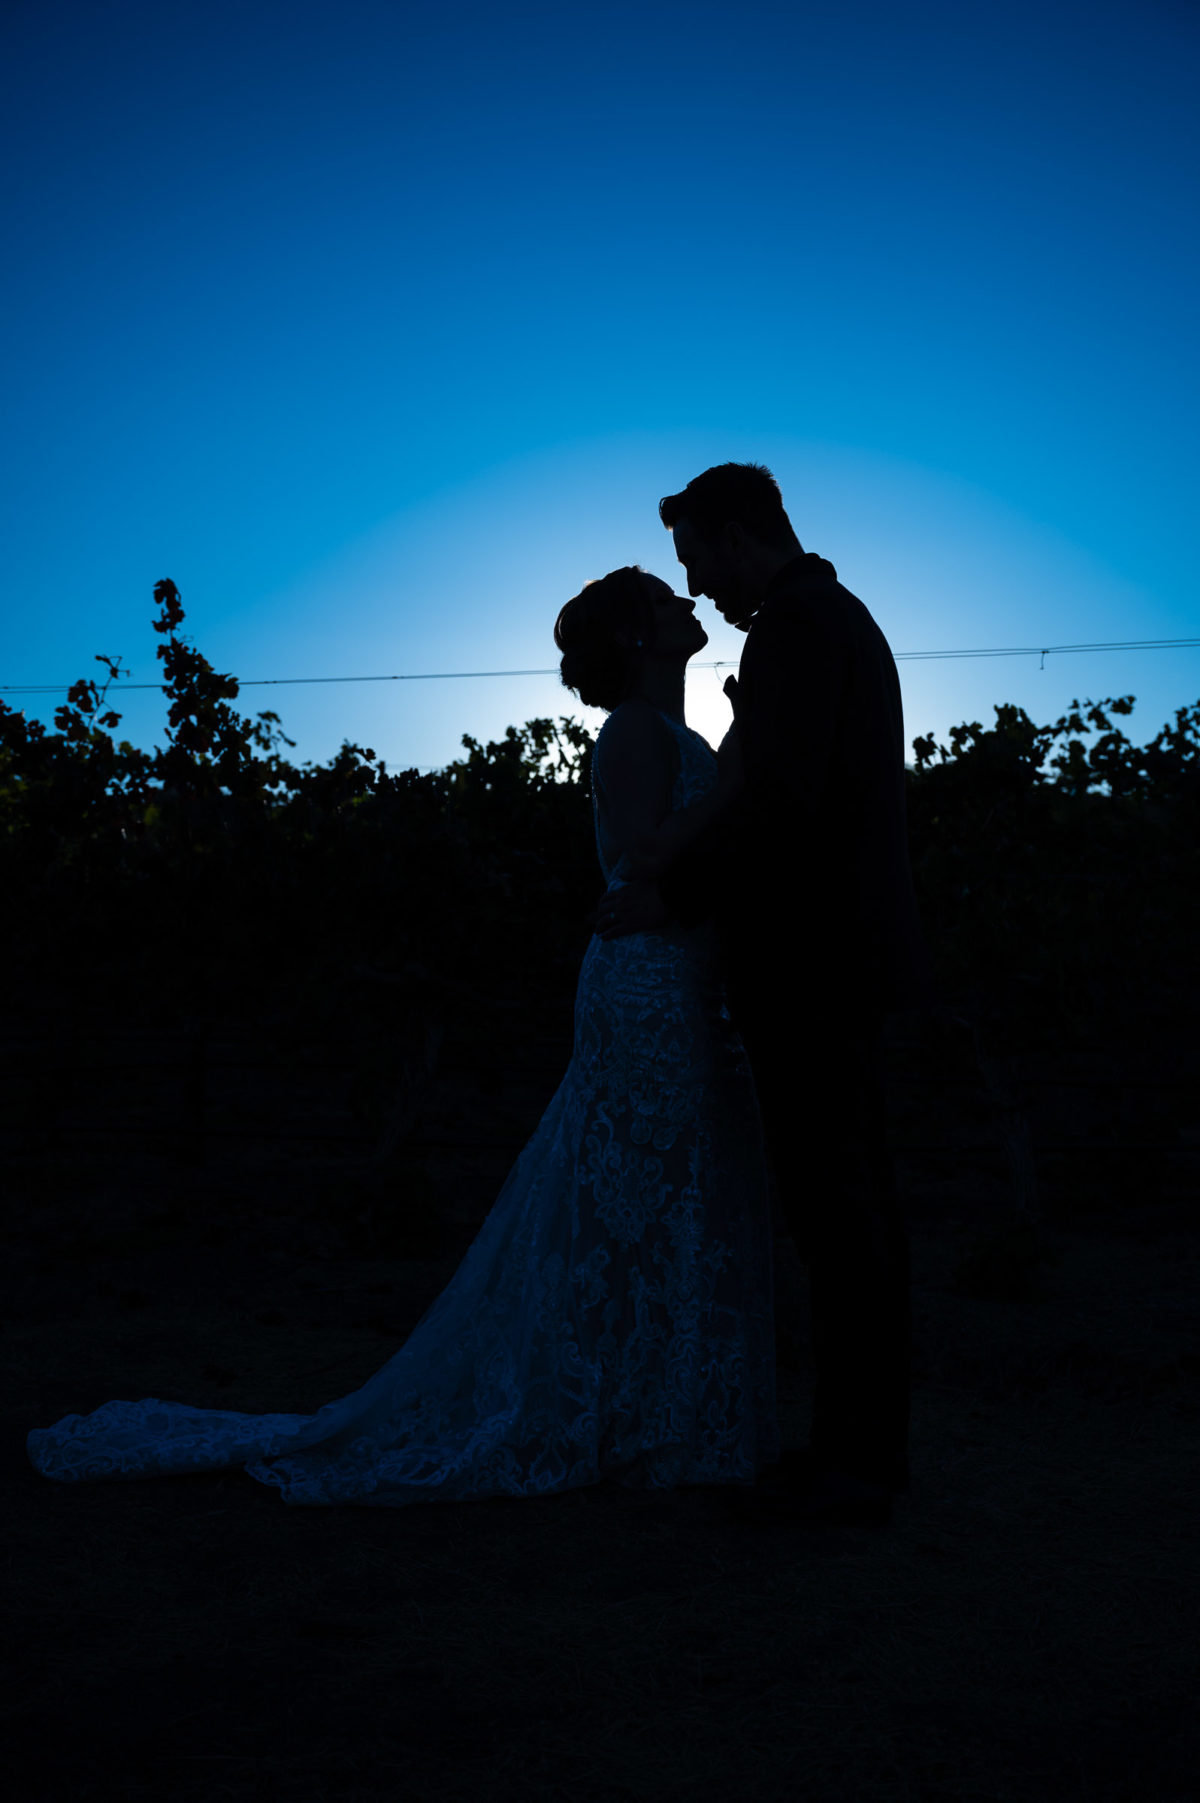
213, 877
1058, 881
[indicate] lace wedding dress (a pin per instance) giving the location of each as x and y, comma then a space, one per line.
612, 1319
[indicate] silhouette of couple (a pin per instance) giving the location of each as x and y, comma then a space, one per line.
614, 1317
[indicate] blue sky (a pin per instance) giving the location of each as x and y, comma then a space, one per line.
380, 331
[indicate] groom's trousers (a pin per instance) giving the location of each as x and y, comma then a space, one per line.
820, 1086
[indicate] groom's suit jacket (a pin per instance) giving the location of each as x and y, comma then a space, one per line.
808, 877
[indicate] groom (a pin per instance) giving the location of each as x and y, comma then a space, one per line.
808, 879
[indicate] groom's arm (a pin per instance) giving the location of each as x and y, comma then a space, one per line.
674, 873
687, 861
786, 726
791, 692
691, 885
793, 686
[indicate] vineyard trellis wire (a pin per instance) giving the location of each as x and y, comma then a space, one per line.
258, 682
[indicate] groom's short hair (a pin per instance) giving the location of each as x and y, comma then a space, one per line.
745, 492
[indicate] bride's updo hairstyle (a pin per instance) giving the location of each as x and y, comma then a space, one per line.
594, 665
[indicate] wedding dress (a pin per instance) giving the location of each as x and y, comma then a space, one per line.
612, 1319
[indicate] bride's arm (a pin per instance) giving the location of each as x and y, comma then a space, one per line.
635, 768
652, 853
684, 849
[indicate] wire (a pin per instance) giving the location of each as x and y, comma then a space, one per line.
259, 682
1049, 650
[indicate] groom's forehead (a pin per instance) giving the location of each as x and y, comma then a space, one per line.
687, 544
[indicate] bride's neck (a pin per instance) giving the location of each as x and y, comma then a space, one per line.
660, 682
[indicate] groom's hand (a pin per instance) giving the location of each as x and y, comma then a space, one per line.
644, 861
637, 907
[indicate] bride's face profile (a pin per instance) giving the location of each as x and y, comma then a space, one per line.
677, 631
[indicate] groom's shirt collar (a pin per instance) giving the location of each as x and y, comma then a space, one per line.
788, 575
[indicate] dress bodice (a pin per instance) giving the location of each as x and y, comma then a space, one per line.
696, 776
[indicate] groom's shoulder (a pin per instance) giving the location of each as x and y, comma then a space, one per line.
827, 611
807, 610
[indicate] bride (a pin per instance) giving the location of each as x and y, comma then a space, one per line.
613, 1317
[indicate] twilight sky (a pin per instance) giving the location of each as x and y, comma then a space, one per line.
380, 330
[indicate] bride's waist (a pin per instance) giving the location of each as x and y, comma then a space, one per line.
670, 953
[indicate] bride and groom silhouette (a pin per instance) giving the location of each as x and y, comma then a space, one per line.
613, 1319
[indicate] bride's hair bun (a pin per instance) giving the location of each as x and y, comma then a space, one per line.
594, 665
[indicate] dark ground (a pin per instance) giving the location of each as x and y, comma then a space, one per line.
1024, 1630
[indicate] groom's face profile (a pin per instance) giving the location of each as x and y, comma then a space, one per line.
712, 570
